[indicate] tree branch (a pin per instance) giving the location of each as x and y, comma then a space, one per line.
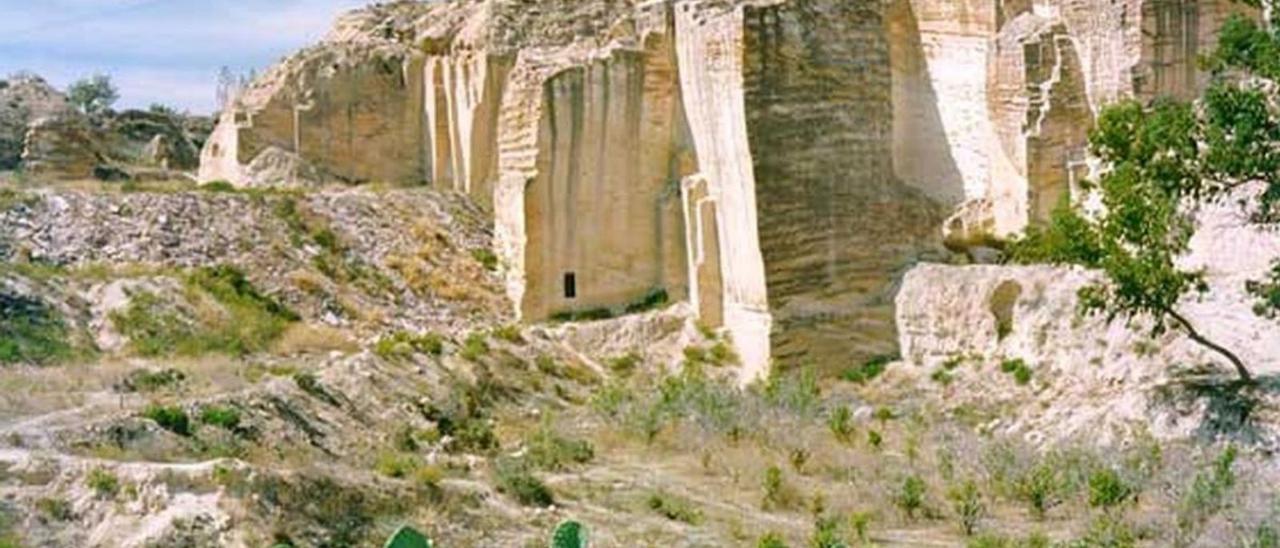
1205, 342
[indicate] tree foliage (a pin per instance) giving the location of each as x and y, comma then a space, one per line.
1159, 161
93, 95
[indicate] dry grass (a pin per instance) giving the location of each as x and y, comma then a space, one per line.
313, 339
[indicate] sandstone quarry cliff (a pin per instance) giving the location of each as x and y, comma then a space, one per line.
775, 163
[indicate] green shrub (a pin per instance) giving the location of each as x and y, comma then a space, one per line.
910, 495
840, 422
31, 332
227, 418
941, 376
826, 534
771, 539
625, 364
860, 522
55, 509
509, 333
777, 494
1208, 493
145, 380
674, 509
587, 315
653, 300
171, 418
1019, 369
796, 392
475, 347
868, 371
1038, 487
1107, 489
396, 465
403, 344
874, 439
550, 451
516, 479
103, 482
968, 506
486, 257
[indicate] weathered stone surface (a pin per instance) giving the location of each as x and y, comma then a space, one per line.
775, 163
24, 98
61, 146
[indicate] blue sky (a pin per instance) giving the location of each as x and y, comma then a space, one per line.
157, 51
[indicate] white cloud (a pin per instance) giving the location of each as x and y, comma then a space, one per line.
158, 50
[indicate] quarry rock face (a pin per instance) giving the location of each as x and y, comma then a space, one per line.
775, 163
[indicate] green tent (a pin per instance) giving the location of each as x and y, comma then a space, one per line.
408, 537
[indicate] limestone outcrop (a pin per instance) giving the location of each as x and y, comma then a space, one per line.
775, 163
24, 98
1095, 373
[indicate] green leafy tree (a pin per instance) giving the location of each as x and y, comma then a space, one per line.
94, 94
1159, 161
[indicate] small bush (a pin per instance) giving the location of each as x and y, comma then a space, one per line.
1038, 487
874, 439
868, 371
860, 522
910, 496
1208, 492
227, 418
1019, 369
55, 509
1107, 489
797, 392
771, 539
941, 376
625, 364
103, 482
968, 506
145, 380
550, 451
171, 418
826, 534
840, 422
652, 300
396, 465
486, 257
475, 347
516, 479
778, 495
403, 344
509, 333
673, 508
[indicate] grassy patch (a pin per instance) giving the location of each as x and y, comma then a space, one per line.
515, 479
403, 344
475, 347
486, 258
653, 300
673, 508
31, 332
103, 483
246, 320
549, 450
227, 418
